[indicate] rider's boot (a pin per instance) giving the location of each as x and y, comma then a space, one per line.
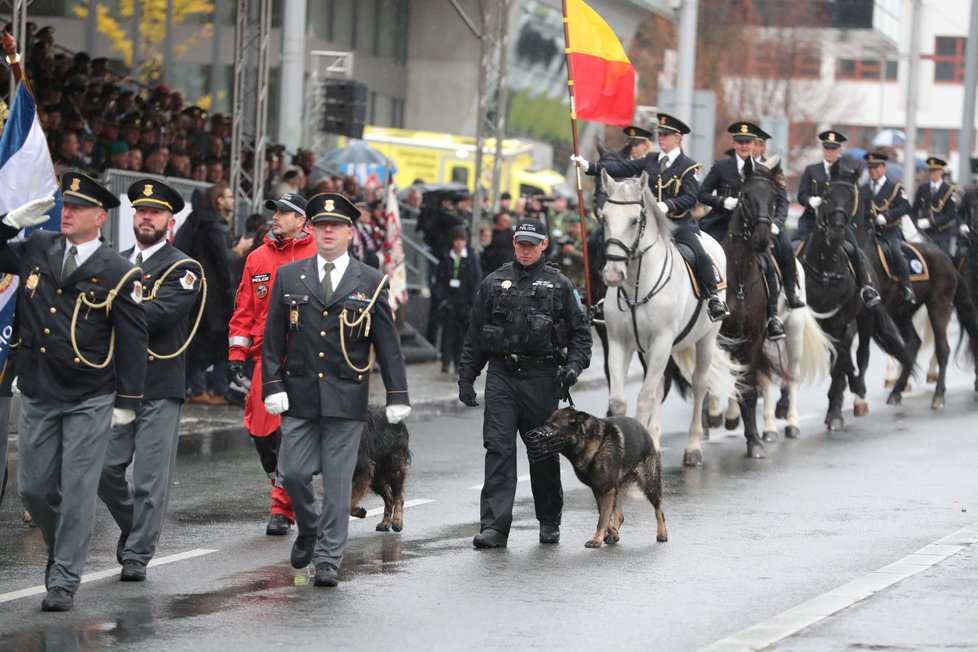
867, 292
775, 327
717, 308
903, 272
706, 276
789, 271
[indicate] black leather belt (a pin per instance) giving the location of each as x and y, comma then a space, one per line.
516, 362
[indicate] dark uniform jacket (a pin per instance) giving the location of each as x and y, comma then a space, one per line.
302, 353
676, 185
968, 209
47, 365
526, 321
938, 208
890, 202
457, 285
169, 317
814, 182
722, 181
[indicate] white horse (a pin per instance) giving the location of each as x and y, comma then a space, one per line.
651, 307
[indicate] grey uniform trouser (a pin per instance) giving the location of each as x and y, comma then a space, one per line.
150, 443
329, 446
61, 448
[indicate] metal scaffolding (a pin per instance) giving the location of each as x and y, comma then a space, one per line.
249, 111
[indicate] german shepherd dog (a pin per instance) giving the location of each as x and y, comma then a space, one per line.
608, 455
382, 465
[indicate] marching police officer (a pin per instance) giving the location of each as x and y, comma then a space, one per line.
76, 380
327, 316
884, 205
171, 283
814, 183
672, 178
527, 324
934, 206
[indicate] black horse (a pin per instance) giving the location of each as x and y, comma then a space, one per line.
966, 298
833, 291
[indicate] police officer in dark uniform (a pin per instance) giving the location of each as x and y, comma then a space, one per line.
72, 392
814, 182
327, 317
638, 143
934, 206
527, 324
171, 286
884, 205
968, 209
721, 188
672, 178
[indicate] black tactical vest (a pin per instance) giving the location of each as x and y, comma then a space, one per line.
525, 321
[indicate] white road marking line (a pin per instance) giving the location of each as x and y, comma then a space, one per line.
794, 620
377, 511
519, 479
98, 575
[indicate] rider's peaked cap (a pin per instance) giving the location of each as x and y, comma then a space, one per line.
876, 158
745, 131
831, 139
671, 123
637, 134
530, 230
934, 163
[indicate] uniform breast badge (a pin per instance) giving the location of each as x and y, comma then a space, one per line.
32, 282
294, 318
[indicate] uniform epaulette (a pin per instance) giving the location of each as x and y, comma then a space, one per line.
692, 167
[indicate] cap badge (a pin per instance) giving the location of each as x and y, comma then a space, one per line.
75, 184
148, 190
328, 205
832, 136
743, 129
662, 120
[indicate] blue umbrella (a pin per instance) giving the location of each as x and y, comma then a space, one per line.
358, 159
855, 153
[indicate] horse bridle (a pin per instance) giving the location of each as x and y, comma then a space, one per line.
749, 221
823, 214
631, 253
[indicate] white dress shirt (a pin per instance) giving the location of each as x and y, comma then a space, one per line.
147, 252
85, 250
339, 268
669, 157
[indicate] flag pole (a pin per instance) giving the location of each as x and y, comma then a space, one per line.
13, 58
577, 170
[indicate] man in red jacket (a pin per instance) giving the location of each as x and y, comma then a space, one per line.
288, 240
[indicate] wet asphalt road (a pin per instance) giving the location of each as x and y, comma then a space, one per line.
747, 541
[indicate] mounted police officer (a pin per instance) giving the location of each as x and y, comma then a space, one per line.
638, 143
934, 206
672, 178
968, 209
76, 380
814, 182
327, 316
171, 286
884, 205
528, 325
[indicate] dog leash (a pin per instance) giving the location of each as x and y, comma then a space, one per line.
565, 395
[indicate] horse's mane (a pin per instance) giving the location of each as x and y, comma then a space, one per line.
635, 188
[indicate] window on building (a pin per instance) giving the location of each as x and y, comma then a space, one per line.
949, 59
865, 69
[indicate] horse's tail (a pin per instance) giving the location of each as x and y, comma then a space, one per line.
724, 376
675, 377
817, 349
887, 336
968, 318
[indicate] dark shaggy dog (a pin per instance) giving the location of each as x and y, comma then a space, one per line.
382, 465
608, 455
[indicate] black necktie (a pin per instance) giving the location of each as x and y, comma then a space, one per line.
327, 281
664, 161
139, 259
71, 263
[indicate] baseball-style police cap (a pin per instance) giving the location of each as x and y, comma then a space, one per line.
671, 123
744, 131
934, 163
530, 230
331, 207
289, 202
831, 139
876, 158
80, 189
155, 193
637, 134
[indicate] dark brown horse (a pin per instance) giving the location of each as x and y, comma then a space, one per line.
833, 291
966, 298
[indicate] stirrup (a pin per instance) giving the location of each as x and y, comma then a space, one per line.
717, 309
775, 329
906, 290
869, 296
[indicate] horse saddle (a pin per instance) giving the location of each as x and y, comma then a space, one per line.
915, 261
689, 258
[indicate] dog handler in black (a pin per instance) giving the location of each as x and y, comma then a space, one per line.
527, 323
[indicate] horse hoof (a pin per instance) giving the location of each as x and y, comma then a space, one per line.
731, 424
755, 450
716, 420
661, 538
693, 457
860, 409
889, 382
836, 424
781, 411
792, 432
591, 543
894, 399
769, 436
938, 403
931, 378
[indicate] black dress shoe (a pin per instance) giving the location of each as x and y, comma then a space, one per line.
326, 575
549, 533
302, 550
489, 538
794, 301
58, 599
775, 329
133, 571
717, 308
278, 525
120, 547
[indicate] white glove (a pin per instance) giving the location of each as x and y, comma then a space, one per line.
30, 214
122, 416
923, 224
964, 229
775, 230
397, 413
664, 207
277, 403
814, 202
580, 161
881, 220
730, 203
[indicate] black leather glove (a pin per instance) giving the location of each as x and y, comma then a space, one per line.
466, 393
567, 375
235, 371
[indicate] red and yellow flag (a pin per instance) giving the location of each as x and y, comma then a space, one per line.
604, 79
